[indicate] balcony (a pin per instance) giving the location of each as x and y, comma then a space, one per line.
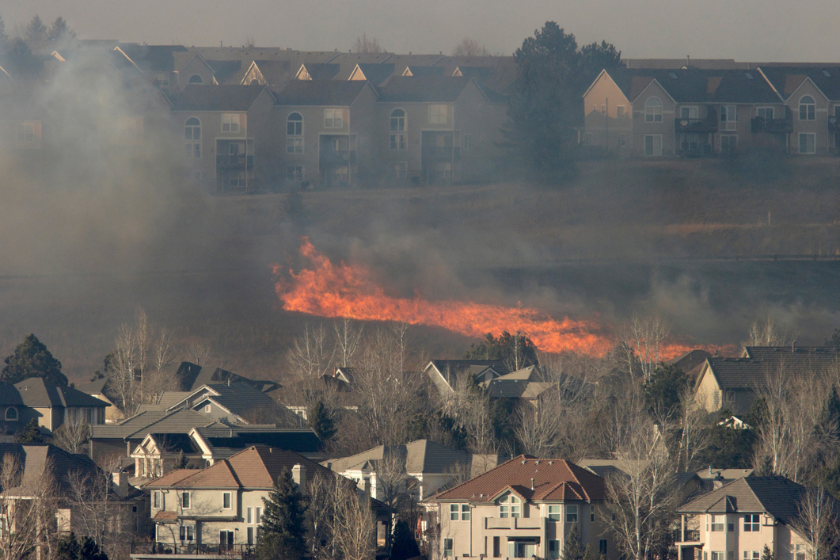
709, 124
335, 157
142, 550
689, 536
774, 126
834, 124
234, 162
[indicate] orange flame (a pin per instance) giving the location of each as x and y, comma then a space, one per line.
346, 291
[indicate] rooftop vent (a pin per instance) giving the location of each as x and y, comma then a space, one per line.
748, 75
826, 73
673, 75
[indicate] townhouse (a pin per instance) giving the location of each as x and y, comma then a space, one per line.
692, 112
51, 405
525, 507
740, 519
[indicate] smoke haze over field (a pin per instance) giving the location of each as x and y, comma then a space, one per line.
748, 30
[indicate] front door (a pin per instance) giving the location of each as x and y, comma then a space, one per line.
225, 540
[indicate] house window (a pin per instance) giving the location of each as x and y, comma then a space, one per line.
554, 548
453, 512
196, 79
728, 143
751, 555
592, 513
765, 113
443, 170
622, 140
510, 506
230, 122
751, 523
716, 523
11, 414
807, 143
333, 118
294, 173
716, 555
237, 181
807, 108
653, 145
729, 117
798, 552
185, 500
448, 549
226, 500
571, 514
156, 499
653, 110
207, 409
467, 141
250, 535
397, 130
186, 533
554, 512
400, 170
465, 512
602, 546
294, 134
438, 114
226, 540
688, 112
192, 136
620, 111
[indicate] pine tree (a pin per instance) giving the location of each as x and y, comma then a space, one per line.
59, 32
36, 33
320, 421
30, 433
283, 529
766, 555
32, 359
68, 548
573, 547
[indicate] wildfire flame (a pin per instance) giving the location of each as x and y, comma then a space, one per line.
349, 291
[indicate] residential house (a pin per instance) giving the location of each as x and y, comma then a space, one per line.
159, 454
429, 467
525, 507
325, 127
742, 517
227, 135
731, 383
218, 509
98, 388
440, 129
528, 385
446, 374
238, 403
713, 479
192, 376
51, 405
686, 112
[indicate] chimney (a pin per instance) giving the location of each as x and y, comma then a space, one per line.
119, 481
299, 476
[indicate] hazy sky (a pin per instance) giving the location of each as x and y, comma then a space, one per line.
747, 30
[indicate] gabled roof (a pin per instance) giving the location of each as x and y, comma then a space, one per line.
374, 73
321, 92
224, 69
424, 89
553, 480
787, 79
237, 398
692, 85
217, 98
449, 370
154, 422
315, 71
227, 441
254, 468
151, 58
37, 393
750, 371
775, 495
275, 72
34, 460
420, 456
516, 384
420, 71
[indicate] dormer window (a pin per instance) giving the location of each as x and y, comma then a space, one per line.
510, 506
11, 414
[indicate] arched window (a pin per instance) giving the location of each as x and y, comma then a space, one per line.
510, 506
653, 110
397, 128
294, 134
192, 136
11, 414
196, 79
807, 108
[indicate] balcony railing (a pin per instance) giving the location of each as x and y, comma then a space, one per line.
834, 124
689, 535
336, 157
234, 162
772, 126
243, 551
708, 124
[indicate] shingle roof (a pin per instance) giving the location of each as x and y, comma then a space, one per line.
749, 372
692, 85
376, 73
451, 369
35, 458
152, 58
553, 479
318, 71
787, 78
423, 89
255, 467
775, 495
158, 422
419, 456
320, 92
37, 393
216, 98
224, 69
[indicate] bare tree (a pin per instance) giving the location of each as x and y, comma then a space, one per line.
643, 338
470, 47
694, 432
817, 522
353, 524
157, 377
28, 507
367, 45
321, 489
768, 333
310, 356
72, 436
348, 338
538, 428
392, 479
643, 496
200, 352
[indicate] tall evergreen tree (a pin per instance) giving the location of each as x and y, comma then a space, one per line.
36, 33
59, 32
283, 529
320, 422
30, 433
32, 359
